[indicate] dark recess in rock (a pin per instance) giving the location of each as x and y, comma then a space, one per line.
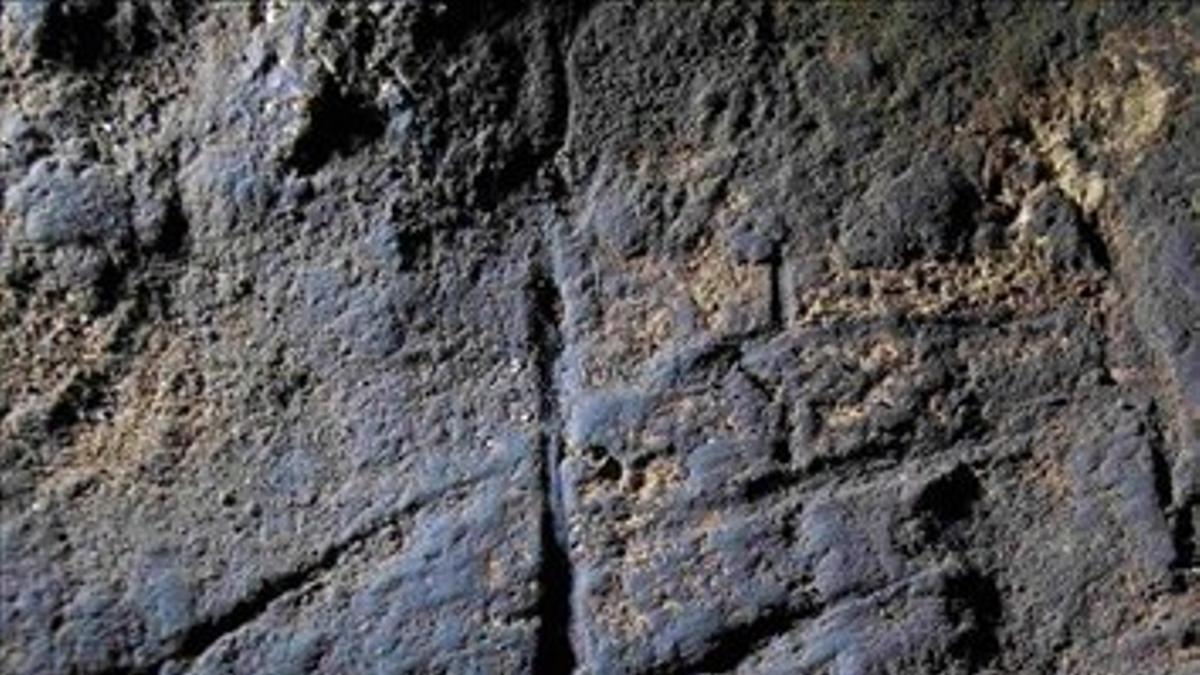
338, 124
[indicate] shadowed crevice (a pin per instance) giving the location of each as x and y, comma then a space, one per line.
555, 653
974, 598
340, 124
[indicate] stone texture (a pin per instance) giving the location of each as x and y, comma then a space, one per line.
599, 337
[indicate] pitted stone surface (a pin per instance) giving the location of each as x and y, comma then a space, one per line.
599, 336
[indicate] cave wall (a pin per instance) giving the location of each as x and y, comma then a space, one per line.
550, 336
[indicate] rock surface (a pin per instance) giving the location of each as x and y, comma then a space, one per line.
558, 336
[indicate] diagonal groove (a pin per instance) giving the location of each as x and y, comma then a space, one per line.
201, 637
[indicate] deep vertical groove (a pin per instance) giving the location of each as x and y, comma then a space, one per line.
555, 654
1183, 532
775, 307
781, 441
1179, 517
768, 44
1161, 470
554, 651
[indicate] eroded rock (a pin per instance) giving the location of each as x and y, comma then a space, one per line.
598, 337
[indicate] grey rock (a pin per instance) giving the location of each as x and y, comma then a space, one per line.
64, 202
598, 337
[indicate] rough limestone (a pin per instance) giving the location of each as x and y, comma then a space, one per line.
568, 336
